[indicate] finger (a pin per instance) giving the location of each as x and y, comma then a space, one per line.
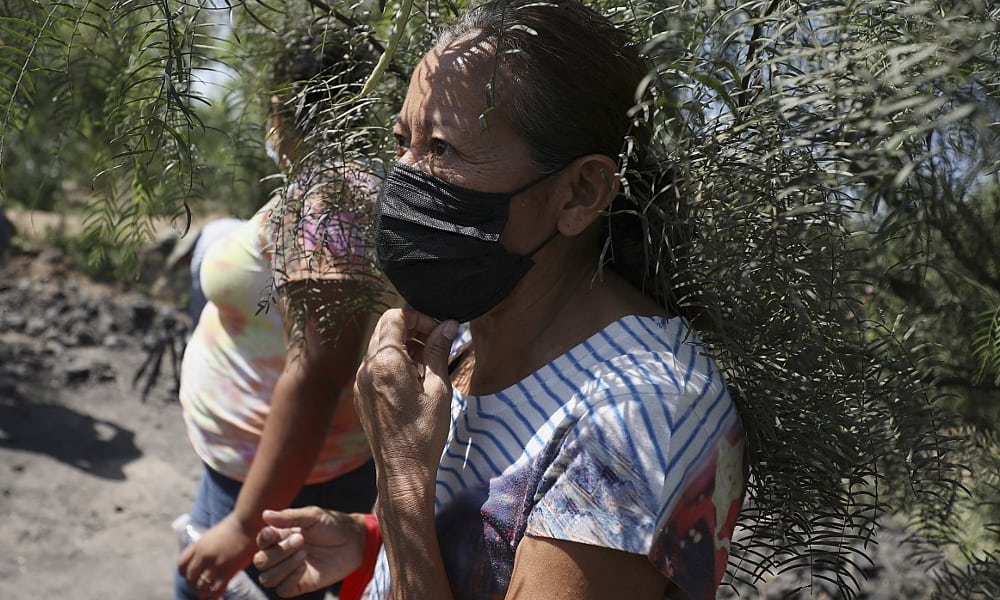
438, 348
192, 570
415, 348
217, 589
419, 326
204, 584
392, 328
388, 354
184, 559
270, 557
378, 333
276, 575
417, 322
267, 537
292, 585
386, 345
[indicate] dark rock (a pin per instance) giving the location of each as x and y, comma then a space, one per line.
86, 338
84, 371
35, 326
143, 314
54, 348
14, 322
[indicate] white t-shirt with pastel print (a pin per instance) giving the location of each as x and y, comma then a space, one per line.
237, 351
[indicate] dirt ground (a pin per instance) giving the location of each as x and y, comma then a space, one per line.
91, 476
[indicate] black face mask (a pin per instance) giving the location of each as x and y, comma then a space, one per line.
439, 244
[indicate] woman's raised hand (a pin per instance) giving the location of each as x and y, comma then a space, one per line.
307, 549
402, 393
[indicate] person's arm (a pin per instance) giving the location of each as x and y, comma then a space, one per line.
318, 365
548, 569
402, 395
406, 517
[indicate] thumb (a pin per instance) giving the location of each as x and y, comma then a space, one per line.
438, 347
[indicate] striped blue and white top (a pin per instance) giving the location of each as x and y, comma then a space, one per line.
628, 441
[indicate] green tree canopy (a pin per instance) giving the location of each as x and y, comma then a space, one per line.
830, 224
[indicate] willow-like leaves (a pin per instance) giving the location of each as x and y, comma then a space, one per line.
807, 143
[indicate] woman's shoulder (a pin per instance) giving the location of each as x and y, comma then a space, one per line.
630, 336
648, 355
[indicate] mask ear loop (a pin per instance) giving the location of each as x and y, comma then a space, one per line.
532, 183
523, 188
544, 243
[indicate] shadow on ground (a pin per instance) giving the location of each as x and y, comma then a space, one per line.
30, 421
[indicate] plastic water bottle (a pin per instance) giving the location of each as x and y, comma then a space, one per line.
240, 587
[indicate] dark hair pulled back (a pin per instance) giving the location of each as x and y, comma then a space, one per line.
568, 74
569, 79
318, 66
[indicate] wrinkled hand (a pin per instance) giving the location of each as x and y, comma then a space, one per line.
307, 549
211, 562
402, 392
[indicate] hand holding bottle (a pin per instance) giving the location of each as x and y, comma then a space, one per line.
239, 587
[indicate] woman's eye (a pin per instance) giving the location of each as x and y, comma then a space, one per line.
439, 148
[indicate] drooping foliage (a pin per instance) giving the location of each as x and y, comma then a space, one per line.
807, 137
830, 223
108, 101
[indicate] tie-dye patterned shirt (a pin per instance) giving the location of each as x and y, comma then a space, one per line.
237, 351
629, 441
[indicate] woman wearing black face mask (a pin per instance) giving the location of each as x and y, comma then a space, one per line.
573, 440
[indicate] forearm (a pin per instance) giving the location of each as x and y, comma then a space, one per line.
406, 517
296, 427
319, 364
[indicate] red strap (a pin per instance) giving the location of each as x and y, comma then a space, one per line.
354, 584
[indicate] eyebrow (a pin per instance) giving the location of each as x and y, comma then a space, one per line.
444, 123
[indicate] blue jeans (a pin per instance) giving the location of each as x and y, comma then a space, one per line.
216, 497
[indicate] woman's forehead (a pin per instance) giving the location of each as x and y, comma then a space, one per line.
453, 83
465, 51
466, 61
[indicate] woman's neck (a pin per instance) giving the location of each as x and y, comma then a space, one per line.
550, 312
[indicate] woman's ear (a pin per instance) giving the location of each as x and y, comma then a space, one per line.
593, 184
